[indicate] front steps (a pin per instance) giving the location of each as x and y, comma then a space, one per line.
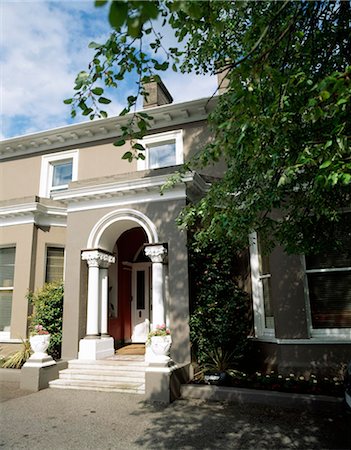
120, 373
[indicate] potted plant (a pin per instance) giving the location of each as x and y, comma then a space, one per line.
216, 367
39, 341
160, 340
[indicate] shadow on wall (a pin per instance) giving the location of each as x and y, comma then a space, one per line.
302, 359
164, 215
196, 424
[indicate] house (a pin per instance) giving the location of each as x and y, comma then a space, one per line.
72, 208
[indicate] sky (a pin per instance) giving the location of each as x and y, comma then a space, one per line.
43, 45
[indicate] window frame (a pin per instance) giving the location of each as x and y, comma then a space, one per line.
55, 246
47, 171
261, 331
329, 333
6, 335
162, 138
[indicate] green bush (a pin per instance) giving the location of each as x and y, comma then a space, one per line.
47, 311
219, 320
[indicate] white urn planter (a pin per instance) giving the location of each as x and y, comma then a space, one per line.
39, 344
160, 346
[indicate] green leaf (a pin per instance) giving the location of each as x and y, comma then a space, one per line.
325, 164
97, 91
99, 3
128, 155
325, 95
138, 146
87, 111
119, 143
94, 45
82, 105
118, 14
68, 101
104, 100
103, 114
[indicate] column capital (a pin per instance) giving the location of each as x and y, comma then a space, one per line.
156, 253
98, 258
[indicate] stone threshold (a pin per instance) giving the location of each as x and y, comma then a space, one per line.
269, 398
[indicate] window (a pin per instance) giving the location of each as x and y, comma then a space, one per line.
7, 270
328, 278
261, 290
57, 171
62, 174
54, 264
162, 150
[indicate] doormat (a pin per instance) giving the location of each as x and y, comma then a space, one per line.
132, 349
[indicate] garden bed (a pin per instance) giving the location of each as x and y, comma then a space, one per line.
291, 383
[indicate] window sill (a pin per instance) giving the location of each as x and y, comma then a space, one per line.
344, 339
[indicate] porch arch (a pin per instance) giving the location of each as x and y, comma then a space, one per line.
103, 235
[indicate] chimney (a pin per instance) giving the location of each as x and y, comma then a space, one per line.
223, 76
158, 94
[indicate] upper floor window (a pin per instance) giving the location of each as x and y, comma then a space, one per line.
62, 174
162, 150
57, 171
7, 270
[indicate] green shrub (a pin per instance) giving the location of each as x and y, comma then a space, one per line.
219, 320
48, 309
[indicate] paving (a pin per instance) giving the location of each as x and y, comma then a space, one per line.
66, 419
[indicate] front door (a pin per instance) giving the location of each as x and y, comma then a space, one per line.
140, 301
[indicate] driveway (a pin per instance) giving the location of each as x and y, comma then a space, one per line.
68, 419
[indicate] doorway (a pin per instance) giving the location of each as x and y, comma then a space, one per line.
141, 305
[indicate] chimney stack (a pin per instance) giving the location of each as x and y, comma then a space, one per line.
223, 75
158, 94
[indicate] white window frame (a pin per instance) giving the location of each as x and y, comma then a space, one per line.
47, 170
323, 333
261, 331
176, 136
6, 335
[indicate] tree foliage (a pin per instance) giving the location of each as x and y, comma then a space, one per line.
282, 127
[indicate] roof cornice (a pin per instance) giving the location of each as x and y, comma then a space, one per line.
73, 136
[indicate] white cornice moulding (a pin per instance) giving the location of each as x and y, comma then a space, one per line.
102, 129
125, 200
34, 213
120, 193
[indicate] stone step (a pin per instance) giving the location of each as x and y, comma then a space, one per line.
126, 387
98, 375
108, 364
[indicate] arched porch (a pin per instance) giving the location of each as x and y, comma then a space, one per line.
127, 241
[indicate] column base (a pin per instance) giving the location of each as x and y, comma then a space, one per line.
94, 349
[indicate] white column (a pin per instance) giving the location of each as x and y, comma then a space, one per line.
97, 311
104, 301
92, 347
157, 254
93, 299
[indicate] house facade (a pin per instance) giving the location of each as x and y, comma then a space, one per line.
71, 208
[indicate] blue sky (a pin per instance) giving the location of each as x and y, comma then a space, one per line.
43, 45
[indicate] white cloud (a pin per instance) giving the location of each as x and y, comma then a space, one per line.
43, 46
